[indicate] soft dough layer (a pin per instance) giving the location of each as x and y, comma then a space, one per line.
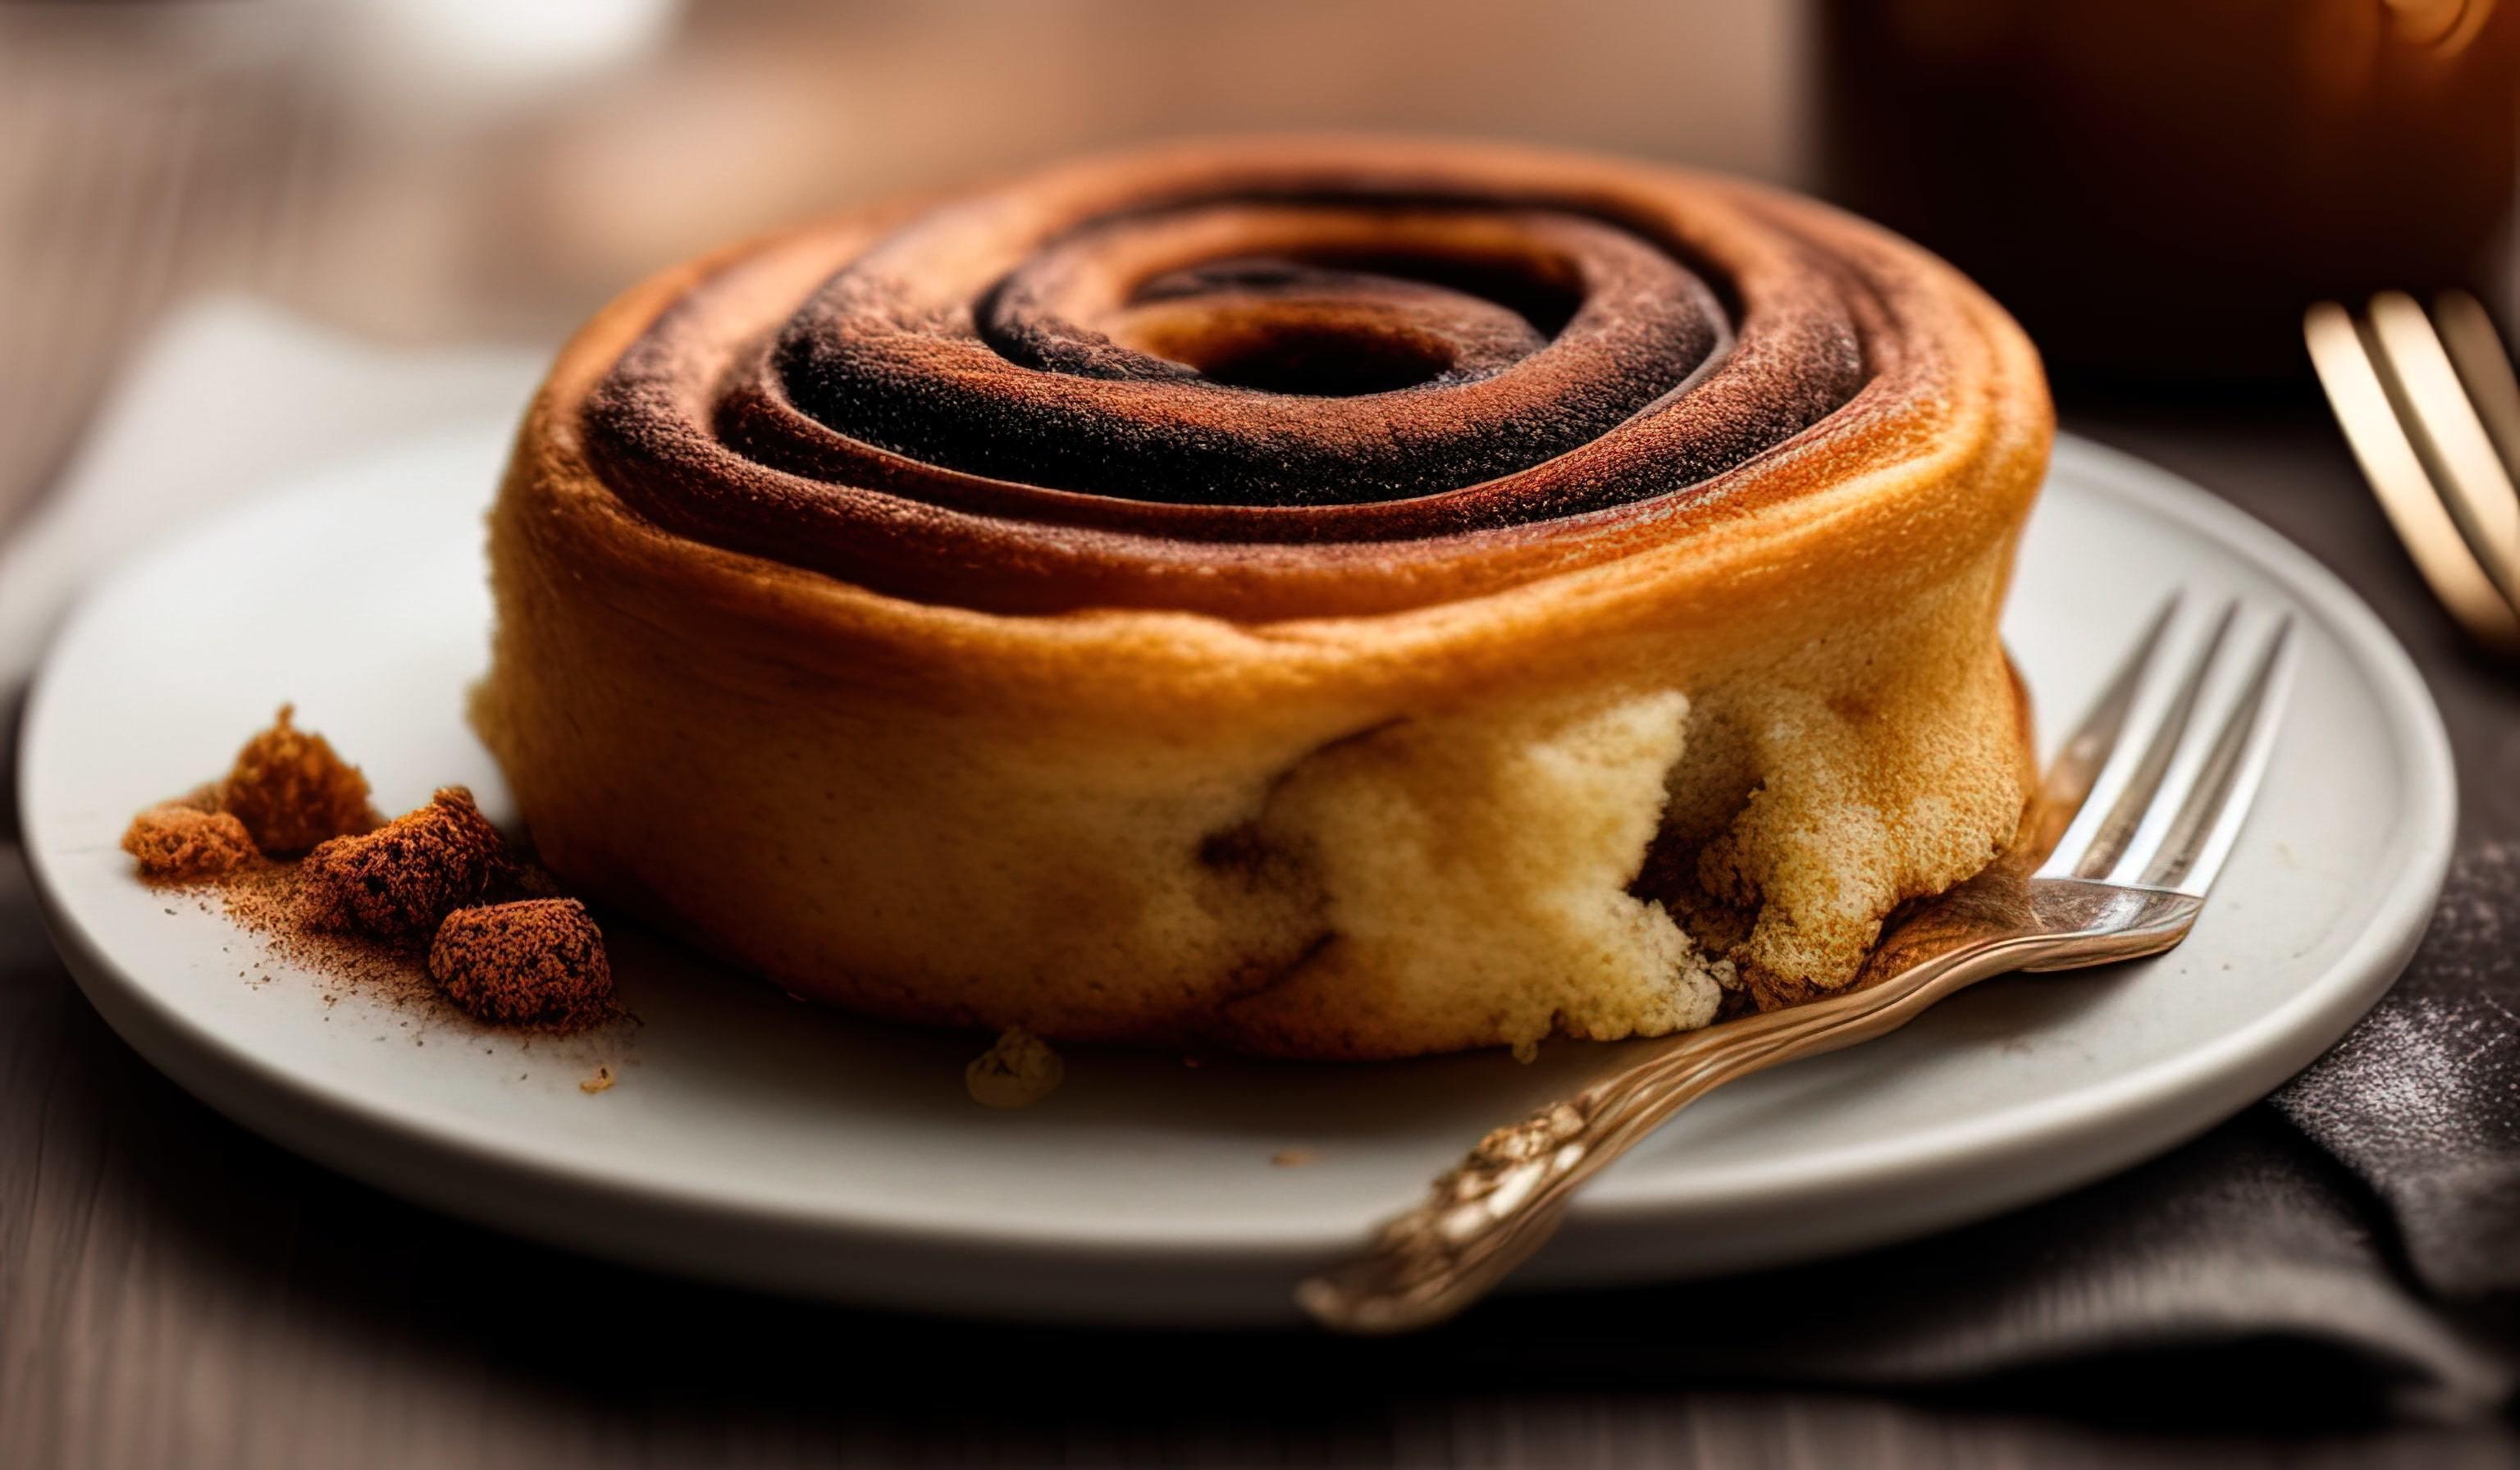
1475, 871
1557, 782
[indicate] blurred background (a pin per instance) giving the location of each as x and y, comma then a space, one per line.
2155, 185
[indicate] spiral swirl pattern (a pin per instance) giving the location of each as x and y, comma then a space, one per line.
1266, 381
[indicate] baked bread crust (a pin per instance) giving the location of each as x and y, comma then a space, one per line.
1396, 777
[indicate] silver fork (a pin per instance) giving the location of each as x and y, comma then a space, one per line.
2114, 861
2432, 410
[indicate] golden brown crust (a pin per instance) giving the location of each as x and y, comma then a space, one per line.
870, 767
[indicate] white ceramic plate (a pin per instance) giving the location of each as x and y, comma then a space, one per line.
752, 1138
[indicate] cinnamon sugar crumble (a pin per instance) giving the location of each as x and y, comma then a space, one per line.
366, 901
291, 791
537, 962
176, 843
401, 879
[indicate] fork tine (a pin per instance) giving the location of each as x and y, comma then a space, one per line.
2199, 838
2476, 349
2475, 484
2109, 819
2069, 777
2400, 481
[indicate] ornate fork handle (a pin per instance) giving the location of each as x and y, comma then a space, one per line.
1502, 1203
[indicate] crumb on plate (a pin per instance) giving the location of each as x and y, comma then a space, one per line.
532, 962
291, 791
175, 843
405, 876
1020, 1071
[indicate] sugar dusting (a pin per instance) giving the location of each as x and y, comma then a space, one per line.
271, 901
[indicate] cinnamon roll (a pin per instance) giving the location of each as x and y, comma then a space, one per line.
1328, 599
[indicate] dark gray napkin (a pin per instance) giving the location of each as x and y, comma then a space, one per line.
2422, 1101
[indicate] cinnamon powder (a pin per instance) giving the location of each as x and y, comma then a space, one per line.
270, 899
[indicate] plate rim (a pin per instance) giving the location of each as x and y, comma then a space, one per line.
2201, 1085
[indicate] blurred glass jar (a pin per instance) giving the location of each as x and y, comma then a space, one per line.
2158, 186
